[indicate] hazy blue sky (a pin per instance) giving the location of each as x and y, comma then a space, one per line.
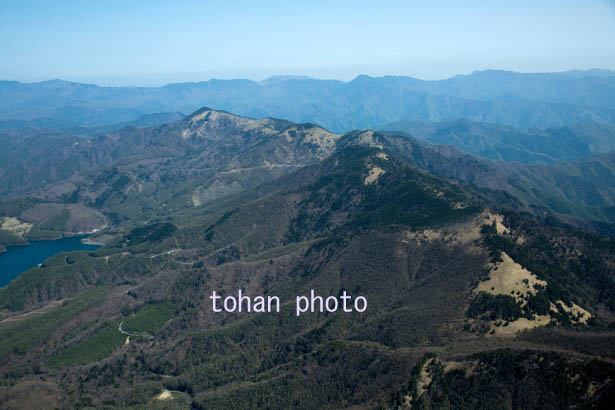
154, 42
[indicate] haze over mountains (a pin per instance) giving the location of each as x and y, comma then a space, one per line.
507, 98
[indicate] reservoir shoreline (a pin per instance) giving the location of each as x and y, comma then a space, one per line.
20, 258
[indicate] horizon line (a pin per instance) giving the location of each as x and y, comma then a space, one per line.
283, 77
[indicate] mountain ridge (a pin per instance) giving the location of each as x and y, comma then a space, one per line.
365, 102
213, 153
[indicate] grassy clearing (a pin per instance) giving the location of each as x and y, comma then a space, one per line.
150, 319
93, 348
24, 336
102, 343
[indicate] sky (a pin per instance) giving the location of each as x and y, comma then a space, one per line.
158, 42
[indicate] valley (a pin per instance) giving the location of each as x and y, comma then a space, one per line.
468, 278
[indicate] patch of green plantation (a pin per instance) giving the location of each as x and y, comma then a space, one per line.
93, 348
24, 336
150, 319
152, 233
102, 343
279, 251
52, 228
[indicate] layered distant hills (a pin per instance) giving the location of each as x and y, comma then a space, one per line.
210, 154
507, 98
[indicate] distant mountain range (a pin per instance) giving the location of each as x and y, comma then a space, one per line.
508, 98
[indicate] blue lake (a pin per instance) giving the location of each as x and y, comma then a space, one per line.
18, 259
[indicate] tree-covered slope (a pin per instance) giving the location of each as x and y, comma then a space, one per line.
505, 143
365, 221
